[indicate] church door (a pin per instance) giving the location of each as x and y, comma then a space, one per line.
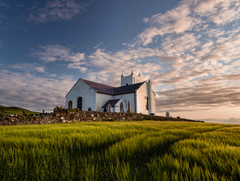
79, 103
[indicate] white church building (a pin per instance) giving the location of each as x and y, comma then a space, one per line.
86, 94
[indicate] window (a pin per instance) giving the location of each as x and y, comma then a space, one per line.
146, 102
121, 107
70, 105
79, 103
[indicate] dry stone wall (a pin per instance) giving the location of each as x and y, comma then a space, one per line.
62, 115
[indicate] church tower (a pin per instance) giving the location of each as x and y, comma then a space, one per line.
130, 79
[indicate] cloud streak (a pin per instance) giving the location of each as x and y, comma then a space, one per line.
57, 10
52, 53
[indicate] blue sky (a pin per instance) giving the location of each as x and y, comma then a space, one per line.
189, 49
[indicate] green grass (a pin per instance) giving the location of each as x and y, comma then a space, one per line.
146, 150
15, 110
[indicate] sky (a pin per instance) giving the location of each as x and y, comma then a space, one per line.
190, 50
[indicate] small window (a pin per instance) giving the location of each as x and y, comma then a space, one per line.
70, 105
146, 102
79, 105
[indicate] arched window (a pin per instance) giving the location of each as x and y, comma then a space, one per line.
79, 103
70, 105
121, 107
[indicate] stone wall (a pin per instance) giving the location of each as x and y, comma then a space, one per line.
61, 115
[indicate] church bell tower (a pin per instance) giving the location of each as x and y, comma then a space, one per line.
130, 79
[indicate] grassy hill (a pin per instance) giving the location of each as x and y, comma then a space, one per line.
15, 110
135, 150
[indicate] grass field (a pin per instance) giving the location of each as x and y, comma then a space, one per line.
16, 110
143, 150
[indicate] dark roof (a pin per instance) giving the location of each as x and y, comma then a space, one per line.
106, 89
127, 88
101, 88
111, 102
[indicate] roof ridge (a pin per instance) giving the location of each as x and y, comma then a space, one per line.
97, 83
131, 84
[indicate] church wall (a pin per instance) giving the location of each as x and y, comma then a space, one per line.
141, 95
101, 99
81, 89
153, 102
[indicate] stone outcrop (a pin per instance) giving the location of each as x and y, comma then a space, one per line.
62, 115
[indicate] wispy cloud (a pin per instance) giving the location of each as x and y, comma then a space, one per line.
98, 45
51, 53
57, 10
29, 67
4, 5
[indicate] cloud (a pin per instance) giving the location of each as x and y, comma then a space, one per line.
206, 5
29, 67
4, 5
123, 61
98, 45
189, 15
224, 12
52, 53
233, 77
78, 66
206, 96
31, 92
145, 20
57, 10
180, 45
177, 20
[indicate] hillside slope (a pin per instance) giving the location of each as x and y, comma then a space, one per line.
15, 110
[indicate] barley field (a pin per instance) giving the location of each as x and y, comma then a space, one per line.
136, 150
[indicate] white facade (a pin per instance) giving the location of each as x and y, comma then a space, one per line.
86, 94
